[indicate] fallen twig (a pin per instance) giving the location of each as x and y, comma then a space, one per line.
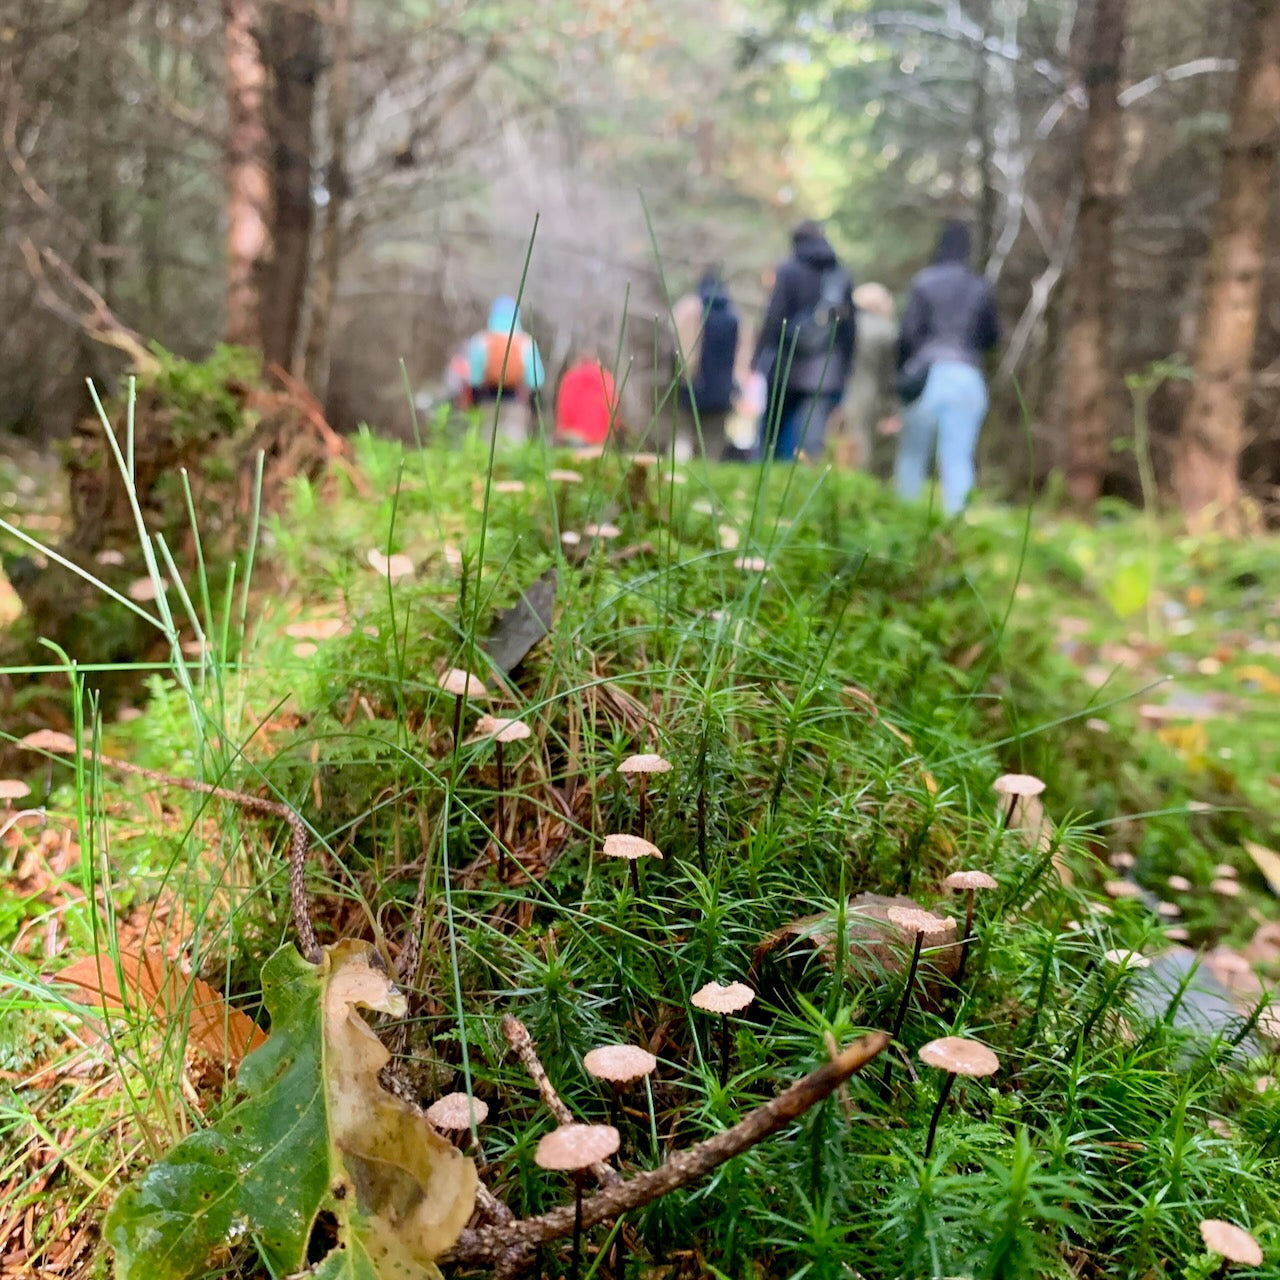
507, 1247
299, 840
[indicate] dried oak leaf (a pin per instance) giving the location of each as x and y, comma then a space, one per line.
310, 1130
153, 986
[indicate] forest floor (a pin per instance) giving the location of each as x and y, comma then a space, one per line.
837, 681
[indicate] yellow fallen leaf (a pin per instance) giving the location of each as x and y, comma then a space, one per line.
1267, 861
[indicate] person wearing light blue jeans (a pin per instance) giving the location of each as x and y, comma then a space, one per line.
946, 418
948, 326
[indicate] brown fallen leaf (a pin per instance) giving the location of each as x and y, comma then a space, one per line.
155, 984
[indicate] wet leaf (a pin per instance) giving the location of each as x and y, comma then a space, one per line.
312, 1130
519, 628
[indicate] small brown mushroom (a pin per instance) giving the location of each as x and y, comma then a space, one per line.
1178, 934
1121, 889
13, 789
723, 999
1123, 861
508, 486
604, 532
1224, 887
502, 731
970, 882
1126, 959
1015, 787
619, 1065
751, 564
462, 685
390, 567
915, 923
455, 1111
957, 1056
1168, 910
573, 1149
1179, 884
643, 765
631, 848
1230, 1243
1225, 871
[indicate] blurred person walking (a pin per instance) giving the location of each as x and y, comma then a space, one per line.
950, 322
505, 367
806, 345
707, 328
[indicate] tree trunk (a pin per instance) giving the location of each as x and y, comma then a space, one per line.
324, 284
1091, 383
1206, 466
293, 55
248, 178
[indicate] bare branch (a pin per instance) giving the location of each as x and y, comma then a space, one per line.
1184, 71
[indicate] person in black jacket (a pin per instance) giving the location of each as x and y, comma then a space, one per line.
707, 335
806, 345
949, 323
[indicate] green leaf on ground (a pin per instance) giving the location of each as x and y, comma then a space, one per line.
310, 1130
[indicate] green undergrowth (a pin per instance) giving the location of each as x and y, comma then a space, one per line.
835, 721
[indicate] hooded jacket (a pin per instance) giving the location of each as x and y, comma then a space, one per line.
797, 289
951, 313
504, 323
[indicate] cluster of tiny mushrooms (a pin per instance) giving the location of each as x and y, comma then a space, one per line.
577, 1148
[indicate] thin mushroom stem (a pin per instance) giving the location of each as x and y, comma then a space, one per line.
457, 719
968, 937
937, 1112
901, 1016
644, 804
724, 1049
576, 1260
501, 814
635, 875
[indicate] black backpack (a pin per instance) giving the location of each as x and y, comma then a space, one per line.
814, 333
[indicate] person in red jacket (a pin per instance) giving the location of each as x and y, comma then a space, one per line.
586, 404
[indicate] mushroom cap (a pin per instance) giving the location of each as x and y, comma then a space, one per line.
508, 486
1168, 910
1123, 861
110, 557
1225, 871
619, 1063
394, 566
912, 920
969, 880
502, 729
1225, 888
960, 1056
1178, 934
571, 537
462, 684
1179, 884
13, 789
144, 589
630, 847
605, 530
1121, 889
453, 1111
645, 762
576, 1146
715, 997
49, 740
751, 564
1017, 784
1126, 959
1230, 1242
562, 475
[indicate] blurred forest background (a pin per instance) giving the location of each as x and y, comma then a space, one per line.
346, 183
